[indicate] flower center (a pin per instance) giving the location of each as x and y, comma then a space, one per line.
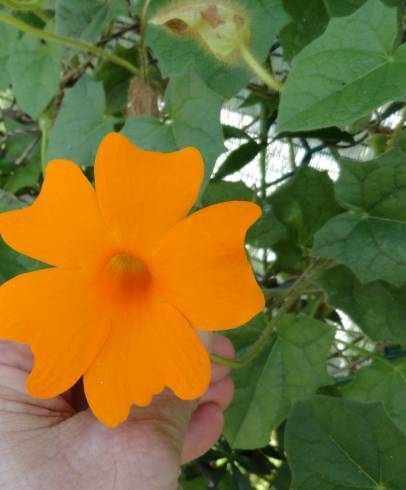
126, 274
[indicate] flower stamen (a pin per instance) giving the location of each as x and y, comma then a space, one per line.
126, 275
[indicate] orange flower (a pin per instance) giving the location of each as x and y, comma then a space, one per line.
132, 277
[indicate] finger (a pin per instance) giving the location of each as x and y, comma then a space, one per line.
14, 400
205, 427
16, 355
223, 347
16, 361
220, 393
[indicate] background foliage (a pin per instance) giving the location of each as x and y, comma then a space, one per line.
321, 377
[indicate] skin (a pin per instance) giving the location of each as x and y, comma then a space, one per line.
58, 444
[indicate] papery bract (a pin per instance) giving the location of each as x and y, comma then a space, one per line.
221, 26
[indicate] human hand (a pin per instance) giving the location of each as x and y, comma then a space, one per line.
58, 444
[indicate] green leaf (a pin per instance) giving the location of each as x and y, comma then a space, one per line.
355, 61
288, 254
195, 121
401, 144
20, 162
234, 132
343, 7
227, 483
237, 159
25, 175
369, 238
266, 389
385, 383
150, 134
177, 53
309, 20
196, 484
19, 137
378, 308
8, 36
327, 135
377, 186
283, 478
116, 79
195, 111
336, 444
81, 123
35, 70
222, 191
12, 263
268, 231
86, 19
347, 7
305, 203
372, 248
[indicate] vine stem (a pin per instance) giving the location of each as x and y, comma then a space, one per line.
263, 162
258, 69
365, 352
143, 56
291, 297
67, 41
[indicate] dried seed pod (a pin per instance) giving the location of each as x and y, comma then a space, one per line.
142, 99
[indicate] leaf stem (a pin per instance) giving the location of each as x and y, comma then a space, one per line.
44, 127
258, 69
143, 55
294, 292
67, 41
292, 156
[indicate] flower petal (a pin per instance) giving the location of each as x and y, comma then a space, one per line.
142, 194
57, 314
201, 267
147, 351
64, 226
